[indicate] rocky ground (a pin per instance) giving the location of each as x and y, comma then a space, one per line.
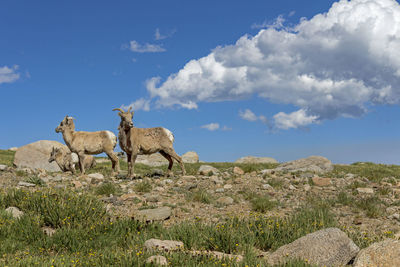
363, 197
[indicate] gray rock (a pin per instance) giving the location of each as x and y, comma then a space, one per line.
158, 260
219, 190
151, 197
251, 159
154, 160
314, 163
380, 254
15, 212
158, 214
207, 169
157, 173
327, 247
48, 230
267, 187
26, 184
36, 155
190, 157
13, 148
163, 245
228, 186
225, 200
365, 190
97, 176
3, 167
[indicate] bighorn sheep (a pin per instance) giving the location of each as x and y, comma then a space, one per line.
88, 143
144, 141
67, 160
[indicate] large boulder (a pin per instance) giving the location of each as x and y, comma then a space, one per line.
251, 159
327, 247
36, 155
190, 157
314, 164
156, 159
382, 254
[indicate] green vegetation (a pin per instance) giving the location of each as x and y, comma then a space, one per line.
262, 203
7, 157
86, 236
36, 180
143, 187
199, 196
374, 172
106, 189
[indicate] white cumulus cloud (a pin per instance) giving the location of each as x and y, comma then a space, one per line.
211, 126
293, 120
134, 46
248, 115
9, 75
140, 104
333, 65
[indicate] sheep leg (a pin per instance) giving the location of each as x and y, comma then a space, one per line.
129, 156
132, 163
171, 152
115, 162
81, 157
171, 162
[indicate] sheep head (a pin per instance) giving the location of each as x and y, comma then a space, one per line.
67, 122
126, 118
53, 154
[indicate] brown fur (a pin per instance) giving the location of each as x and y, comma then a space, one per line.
88, 143
144, 141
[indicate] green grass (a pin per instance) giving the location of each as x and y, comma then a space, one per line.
35, 180
86, 236
262, 203
7, 157
201, 196
143, 187
107, 189
374, 172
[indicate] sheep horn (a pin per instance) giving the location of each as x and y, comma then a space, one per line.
129, 110
121, 110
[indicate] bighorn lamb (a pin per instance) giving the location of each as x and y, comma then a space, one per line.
144, 141
88, 143
67, 160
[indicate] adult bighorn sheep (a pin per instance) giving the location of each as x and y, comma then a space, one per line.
144, 141
90, 143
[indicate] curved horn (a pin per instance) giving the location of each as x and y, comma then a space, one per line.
129, 110
121, 110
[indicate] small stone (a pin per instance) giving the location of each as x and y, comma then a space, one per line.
238, 171
318, 181
291, 187
15, 212
77, 184
365, 190
190, 186
219, 190
128, 197
216, 180
97, 176
228, 186
3, 167
151, 197
267, 187
207, 170
158, 214
48, 230
26, 184
225, 200
163, 245
395, 216
158, 260
267, 171
307, 187
159, 189
167, 181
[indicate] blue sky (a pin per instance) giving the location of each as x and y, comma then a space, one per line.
284, 79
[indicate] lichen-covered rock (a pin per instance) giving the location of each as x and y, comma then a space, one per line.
251, 159
327, 247
190, 157
314, 164
15, 212
158, 214
207, 169
163, 245
36, 155
158, 260
380, 254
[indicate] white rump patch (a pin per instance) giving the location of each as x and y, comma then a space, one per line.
112, 137
169, 134
75, 158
